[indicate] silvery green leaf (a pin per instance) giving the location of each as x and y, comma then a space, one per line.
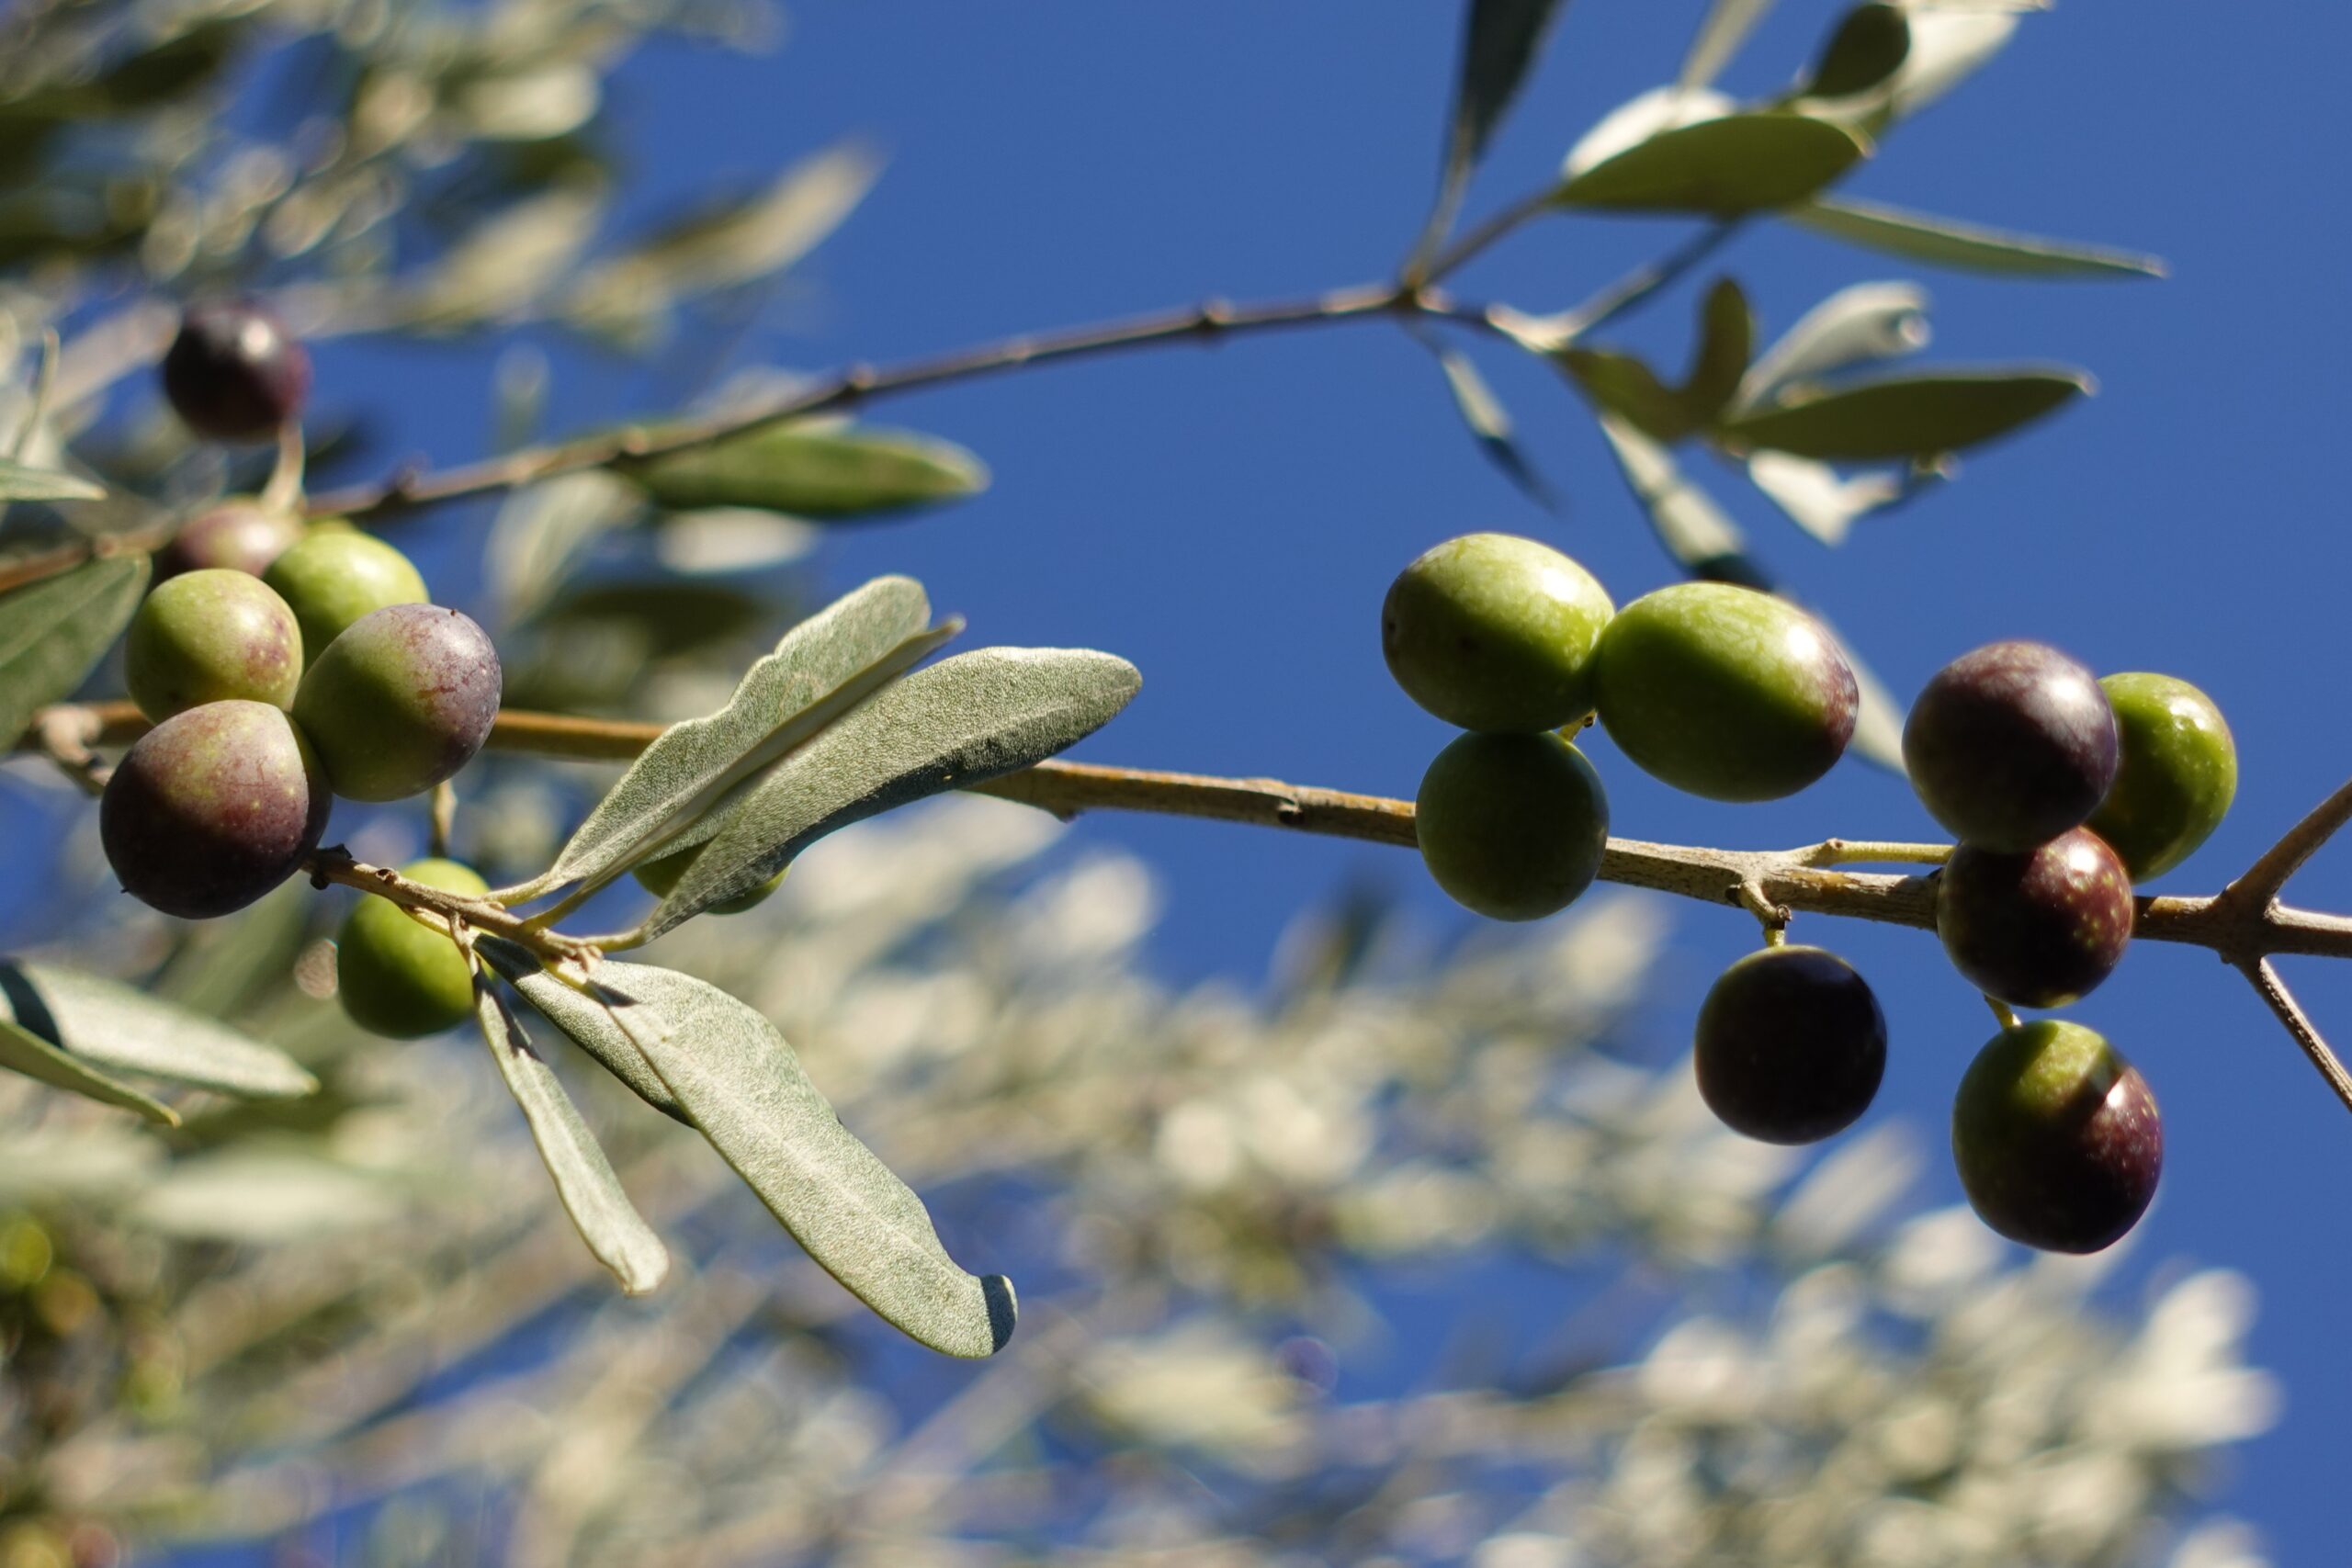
581, 1018
961, 721
1819, 499
1500, 43
1726, 27
820, 669
1724, 167
267, 1196
22, 1051
847, 471
1688, 522
1866, 321
1970, 247
109, 1025
1489, 424
53, 634
1869, 45
541, 529
18, 482
1902, 416
745, 1089
1878, 717
584, 1182
1640, 117
1950, 43
506, 261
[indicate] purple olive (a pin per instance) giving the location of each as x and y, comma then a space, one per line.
2011, 745
234, 373
2057, 1137
2038, 929
1791, 1045
399, 701
235, 534
212, 808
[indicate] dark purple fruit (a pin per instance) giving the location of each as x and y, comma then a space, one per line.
212, 808
399, 701
237, 534
2011, 745
2038, 929
1791, 1045
234, 373
2057, 1138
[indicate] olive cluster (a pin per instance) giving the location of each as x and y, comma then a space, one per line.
2061, 790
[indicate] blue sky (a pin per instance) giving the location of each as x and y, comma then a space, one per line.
1229, 518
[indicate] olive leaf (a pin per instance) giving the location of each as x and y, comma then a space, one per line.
831, 472
1727, 166
53, 634
961, 721
1726, 340
1947, 242
1726, 28
111, 1026
584, 1178
1817, 498
1867, 46
1907, 416
22, 1051
580, 1017
821, 668
18, 482
743, 1087
1489, 422
1865, 321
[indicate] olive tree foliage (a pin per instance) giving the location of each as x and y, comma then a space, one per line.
326, 1284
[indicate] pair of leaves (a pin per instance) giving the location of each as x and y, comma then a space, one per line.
1629, 389
53, 634
78, 1032
812, 470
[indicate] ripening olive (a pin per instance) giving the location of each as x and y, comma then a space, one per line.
2038, 929
212, 808
2178, 774
398, 977
333, 576
1791, 1045
207, 637
661, 876
2057, 1137
234, 373
1724, 692
235, 534
1494, 632
400, 701
1513, 825
2011, 745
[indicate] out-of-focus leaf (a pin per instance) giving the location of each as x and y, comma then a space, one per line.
650, 618
1878, 717
113, 1027
18, 482
581, 1018
1686, 519
831, 472
744, 1088
1489, 424
1869, 45
53, 634
1725, 167
1912, 416
1949, 44
1726, 27
533, 105
1623, 386
1817, 498
541, 529
226, 966
1866, 322
719, 540
22, 1051
961, 721
584, 1182
822, 667
1638, 120
1500, 41
1726, 339
266, 1196
1944, 242
507, 262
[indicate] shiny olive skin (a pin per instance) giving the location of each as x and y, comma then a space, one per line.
335, 576
234, 373
397, 978
661, 876
1724, 692
210, 637
400, 701
212, 808
2057, 1137
235, 534
1513, 825
1495, 632
2011, 745
2177, 773
2038, 929
1791, 1045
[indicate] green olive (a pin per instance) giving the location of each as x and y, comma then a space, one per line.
332, 576
1494, 632
209, 637
400, 978
1512, 826
2177, 777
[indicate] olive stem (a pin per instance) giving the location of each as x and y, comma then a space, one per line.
2264, 977
443, 819
2002, 1012
451, 909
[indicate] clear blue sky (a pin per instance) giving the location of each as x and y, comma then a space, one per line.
1230, 519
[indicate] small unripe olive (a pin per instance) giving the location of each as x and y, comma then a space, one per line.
235, 534
2038, 929
209, 637
333, 576
661, 876
1494, 632
2177, 773
400, 978
1791, 1045
234, 373
400, 701
2057, 1137
2011, 745
1512, 826
212, 808
1724, 692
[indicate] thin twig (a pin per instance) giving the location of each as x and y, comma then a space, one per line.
2266, 876
335, 864
2263, 975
